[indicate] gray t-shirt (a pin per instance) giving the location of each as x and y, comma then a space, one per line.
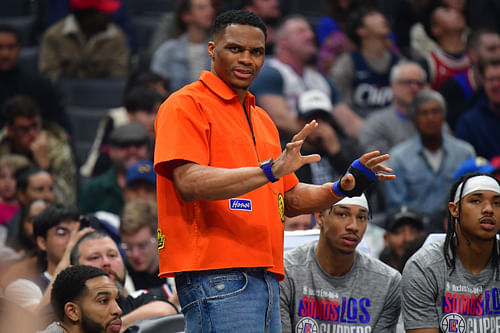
384, 129
52, 328
462, 302
366, 299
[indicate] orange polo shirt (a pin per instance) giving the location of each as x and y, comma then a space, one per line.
205, 123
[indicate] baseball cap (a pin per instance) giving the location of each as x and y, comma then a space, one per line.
474, 164
131, 132
401, 216
103, 6
495, 162
314, 102
142, 170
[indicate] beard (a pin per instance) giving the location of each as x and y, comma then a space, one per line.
115, 276
90, 326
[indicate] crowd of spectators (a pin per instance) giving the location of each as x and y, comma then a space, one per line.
420, 81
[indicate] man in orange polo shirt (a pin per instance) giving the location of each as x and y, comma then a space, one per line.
224, 188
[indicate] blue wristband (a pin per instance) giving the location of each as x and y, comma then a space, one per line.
266, 167
336, 189
367, 172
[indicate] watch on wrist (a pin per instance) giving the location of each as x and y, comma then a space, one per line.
266, 167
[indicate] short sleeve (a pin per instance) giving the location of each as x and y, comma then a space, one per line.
392, 307
269, 81
182, 133
418, 297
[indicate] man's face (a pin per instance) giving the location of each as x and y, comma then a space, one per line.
375, 25
40, 186
141, 250
492, 84
100, 313
23, 131
399, 238
407, 85
7, 184
489, 47
448, 19
94, 22
124, 156
266, 9
9, 51
429, 118
201, 15
237, 55
299, 222
56, 240
146, 118
343, 227
298, 38
102, 253
479, 216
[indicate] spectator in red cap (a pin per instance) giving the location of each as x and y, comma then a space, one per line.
85, 43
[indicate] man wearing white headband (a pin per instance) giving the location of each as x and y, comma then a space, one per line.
452, 285
332, 287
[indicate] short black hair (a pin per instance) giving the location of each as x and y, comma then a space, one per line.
145, 78
141, 98
75, 255
242, 17
356, 21
69, 286
52, 216
474, 39
20, 106
8, 29
23, 176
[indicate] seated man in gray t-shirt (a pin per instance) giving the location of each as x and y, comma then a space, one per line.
332, 287
452, 285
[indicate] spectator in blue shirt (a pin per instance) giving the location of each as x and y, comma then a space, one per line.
426, 163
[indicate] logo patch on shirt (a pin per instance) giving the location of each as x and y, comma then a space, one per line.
240, 204
281, 206
453, 322
161, 239
306, 325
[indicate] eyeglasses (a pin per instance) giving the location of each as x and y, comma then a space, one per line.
129, 247
409, 82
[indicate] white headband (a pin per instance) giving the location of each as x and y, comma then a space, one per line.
359, 201
483, 183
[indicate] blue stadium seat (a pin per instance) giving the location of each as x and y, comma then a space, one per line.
9, 8
150, 7
92, 93
85, 121
23, 24
28, 59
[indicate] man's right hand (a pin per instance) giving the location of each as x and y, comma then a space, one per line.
374, 164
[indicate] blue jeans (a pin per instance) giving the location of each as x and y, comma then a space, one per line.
230, 300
